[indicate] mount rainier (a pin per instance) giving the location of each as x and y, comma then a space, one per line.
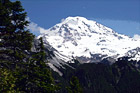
89, 41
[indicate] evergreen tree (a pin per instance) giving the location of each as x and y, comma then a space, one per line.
37, 77
15, 39
74, 86
45, 81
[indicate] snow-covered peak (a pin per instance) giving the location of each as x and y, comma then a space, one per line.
80, 37
79, 25
76, 21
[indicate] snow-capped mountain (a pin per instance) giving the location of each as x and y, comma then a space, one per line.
88, 40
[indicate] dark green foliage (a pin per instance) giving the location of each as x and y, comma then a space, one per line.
7, 82
121, 77
74, 86
41, 44
36, 77
127, 77
30, 73
12, 17
15, 40
96, 78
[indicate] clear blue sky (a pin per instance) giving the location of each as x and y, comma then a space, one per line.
123, 16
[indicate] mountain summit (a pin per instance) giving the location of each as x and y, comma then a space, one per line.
88, 40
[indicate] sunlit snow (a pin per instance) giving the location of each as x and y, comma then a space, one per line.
77, 36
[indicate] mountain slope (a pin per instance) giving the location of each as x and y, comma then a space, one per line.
55, 60
88, 40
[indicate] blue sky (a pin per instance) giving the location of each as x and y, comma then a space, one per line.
123, 16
